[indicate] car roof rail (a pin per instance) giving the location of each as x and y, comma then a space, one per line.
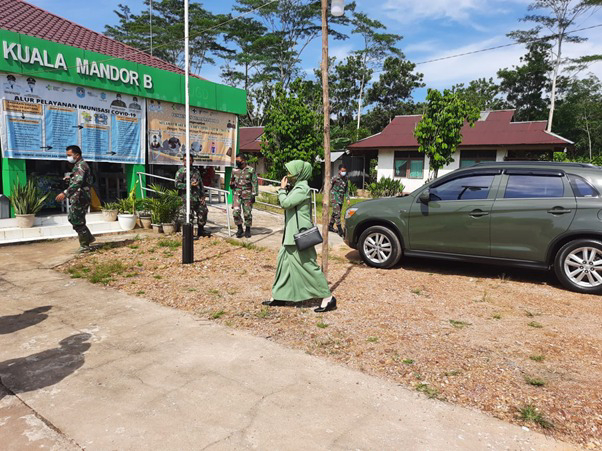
537, 163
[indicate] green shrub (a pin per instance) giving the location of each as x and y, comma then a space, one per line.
352, 188
385, 187
27, 199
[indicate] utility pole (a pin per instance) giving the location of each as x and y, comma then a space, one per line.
187, 229
326, 106
337, 10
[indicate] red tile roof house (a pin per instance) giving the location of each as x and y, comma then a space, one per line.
249, 142
493, 138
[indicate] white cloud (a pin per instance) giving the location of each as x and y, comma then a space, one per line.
340, 52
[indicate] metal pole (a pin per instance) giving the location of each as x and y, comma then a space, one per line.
325, 101
187, 244
150, 11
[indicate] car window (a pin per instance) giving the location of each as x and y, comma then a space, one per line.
464, 188
533, 186
581, 187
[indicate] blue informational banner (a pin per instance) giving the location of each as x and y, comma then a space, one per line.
40, 118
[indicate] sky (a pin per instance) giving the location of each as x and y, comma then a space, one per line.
431, 29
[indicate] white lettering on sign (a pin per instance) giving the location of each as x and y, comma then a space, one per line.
32, 55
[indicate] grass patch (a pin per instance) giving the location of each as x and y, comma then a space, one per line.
244, 244
215, 292
139, 264
452, 373
537, 358
497, 316
322, 325
417, 291
535, 324
429, 391
169, 243
263, 313
99, 272
372, 339
218, 314
139, 292
407, 361
192, 289
158, 276
133, 246
535, 381
459, 324
530, 413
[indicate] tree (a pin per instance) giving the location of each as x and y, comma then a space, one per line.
439, 132
579, 116
482, 93
524, 86
292, 25
293, 127
377, 46
559, 15
393, 91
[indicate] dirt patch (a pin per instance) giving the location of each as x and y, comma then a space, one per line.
513, 345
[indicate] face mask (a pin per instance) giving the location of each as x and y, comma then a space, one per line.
343, 174
71, 159
239, 164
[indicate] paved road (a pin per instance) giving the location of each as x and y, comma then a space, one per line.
85, 367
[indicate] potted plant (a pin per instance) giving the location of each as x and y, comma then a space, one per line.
164, 209
27, 200
144, 212
110, 210
127, 217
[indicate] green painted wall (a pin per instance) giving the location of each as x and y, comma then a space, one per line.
12, 171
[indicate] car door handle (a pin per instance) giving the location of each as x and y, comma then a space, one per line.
559, 211
478, 213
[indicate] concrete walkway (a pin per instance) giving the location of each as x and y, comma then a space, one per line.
85, 367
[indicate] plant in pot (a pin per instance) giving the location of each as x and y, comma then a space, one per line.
27, 200
164, 208
110, 210
127, 216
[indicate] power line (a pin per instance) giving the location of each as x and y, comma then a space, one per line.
192, 36
545, 38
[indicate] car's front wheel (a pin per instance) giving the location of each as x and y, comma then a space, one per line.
578, 266
379, 247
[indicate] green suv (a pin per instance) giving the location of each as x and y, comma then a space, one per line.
535, 215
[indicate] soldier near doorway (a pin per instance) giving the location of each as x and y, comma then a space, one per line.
78, 193
198, 207
338, 192
244, 189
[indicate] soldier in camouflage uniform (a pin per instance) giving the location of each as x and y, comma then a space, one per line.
338, 192
78, 193
198, 207
244, 188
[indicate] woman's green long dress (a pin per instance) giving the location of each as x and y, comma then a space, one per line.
298, 276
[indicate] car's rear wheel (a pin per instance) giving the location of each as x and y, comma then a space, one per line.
379, 247
578, 266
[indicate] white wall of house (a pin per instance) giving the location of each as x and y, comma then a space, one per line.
386, 168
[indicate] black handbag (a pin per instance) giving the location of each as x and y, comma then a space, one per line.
307, 238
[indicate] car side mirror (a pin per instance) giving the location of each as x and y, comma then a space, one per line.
425, 196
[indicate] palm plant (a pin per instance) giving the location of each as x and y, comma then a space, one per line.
27, 199
165, 206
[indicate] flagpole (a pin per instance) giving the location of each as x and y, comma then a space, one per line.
187, 245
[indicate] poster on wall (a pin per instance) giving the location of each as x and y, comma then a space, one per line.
212, 135
40, 118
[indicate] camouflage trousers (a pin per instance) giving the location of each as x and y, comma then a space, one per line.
246, 205
198, 210
77, 217
336, 214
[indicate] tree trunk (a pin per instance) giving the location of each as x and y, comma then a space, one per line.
359, 100
326, 106
554, 77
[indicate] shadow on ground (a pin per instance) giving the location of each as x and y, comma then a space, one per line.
13, 323
46, 368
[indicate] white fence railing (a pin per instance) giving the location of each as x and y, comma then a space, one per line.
210, 189
276, 182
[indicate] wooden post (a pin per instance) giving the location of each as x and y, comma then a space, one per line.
326, 104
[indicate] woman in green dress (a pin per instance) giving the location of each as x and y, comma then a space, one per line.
298, 276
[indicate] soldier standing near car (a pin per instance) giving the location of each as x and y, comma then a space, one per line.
78, 193
338, 191
198, 207
244, 189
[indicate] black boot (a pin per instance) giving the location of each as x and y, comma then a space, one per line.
202, 232
331, 228
248, 232
340, 230
239, 232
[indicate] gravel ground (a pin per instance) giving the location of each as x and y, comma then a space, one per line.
511, 344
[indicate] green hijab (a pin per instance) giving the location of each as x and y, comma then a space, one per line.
300, 169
